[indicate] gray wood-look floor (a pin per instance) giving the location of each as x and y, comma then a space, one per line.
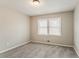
34, 50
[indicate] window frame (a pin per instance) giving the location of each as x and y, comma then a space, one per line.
41, 27
55, 27
48, 27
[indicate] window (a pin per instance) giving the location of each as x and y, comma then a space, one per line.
55, 26
42, 27
49, 26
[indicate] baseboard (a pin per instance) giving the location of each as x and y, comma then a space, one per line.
53, 44
76, 50
14, 47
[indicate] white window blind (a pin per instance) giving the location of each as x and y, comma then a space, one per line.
49, 26
42, 27
55, 26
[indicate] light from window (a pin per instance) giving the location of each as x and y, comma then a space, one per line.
55, 26
42, 27
50, 26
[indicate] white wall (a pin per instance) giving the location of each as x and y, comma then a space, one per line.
14, 29
67, 30
76, 29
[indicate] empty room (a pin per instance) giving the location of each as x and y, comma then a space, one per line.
39, 28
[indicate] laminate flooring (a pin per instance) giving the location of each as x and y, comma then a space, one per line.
36, 50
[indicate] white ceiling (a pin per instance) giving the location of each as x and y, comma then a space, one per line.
45, 7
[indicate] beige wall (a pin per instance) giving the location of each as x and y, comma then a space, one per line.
76, 29
67, 30
14, 29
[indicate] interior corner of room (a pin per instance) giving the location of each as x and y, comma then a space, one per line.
22, 24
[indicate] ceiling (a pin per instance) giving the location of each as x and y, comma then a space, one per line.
45, 7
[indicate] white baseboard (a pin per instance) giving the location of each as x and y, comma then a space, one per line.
53, 44
14, 47
76, 50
